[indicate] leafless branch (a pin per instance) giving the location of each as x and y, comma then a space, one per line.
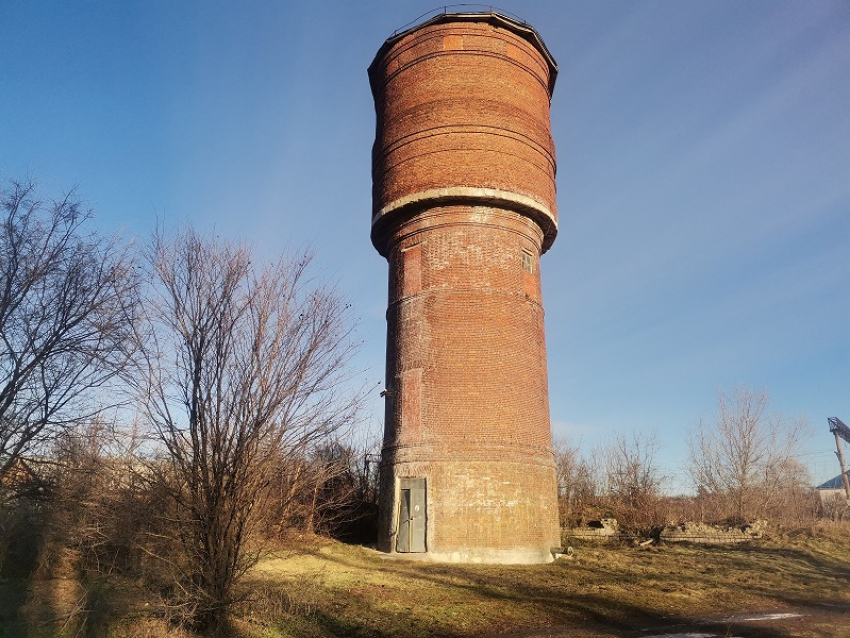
244, 367
67, 301
747, 458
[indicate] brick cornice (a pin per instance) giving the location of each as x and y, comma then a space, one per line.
469, 196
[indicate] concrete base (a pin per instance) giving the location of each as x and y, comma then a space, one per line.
480, 557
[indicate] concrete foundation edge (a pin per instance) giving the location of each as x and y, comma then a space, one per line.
482, 556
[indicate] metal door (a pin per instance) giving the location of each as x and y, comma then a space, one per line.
411, 516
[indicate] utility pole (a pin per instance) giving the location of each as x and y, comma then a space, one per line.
841, 431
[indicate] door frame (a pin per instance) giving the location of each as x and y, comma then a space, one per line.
411, 533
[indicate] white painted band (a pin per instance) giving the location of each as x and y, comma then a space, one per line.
437, 195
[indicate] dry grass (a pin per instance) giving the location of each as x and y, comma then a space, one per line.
353, 591
323, 589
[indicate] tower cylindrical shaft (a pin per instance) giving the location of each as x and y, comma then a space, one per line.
463, 207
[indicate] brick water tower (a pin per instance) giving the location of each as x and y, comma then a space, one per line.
463, 171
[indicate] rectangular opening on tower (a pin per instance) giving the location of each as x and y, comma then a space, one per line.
412, 519
527, 261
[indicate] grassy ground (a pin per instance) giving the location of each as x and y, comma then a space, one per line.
321, 588
354, 592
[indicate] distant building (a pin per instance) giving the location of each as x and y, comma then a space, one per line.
832, 490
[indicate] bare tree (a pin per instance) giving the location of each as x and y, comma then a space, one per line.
633, 478
244, 366
66, 304
747, 459
577, 482
331, 488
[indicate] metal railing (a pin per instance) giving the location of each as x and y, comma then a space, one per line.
483, 9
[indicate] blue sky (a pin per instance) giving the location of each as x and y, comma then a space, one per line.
703, 177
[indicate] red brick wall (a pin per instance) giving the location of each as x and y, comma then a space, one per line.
466, 104
463, 103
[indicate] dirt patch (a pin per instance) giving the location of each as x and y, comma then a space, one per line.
824, 621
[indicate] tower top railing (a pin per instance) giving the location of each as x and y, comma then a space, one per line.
466, 8
472, 12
